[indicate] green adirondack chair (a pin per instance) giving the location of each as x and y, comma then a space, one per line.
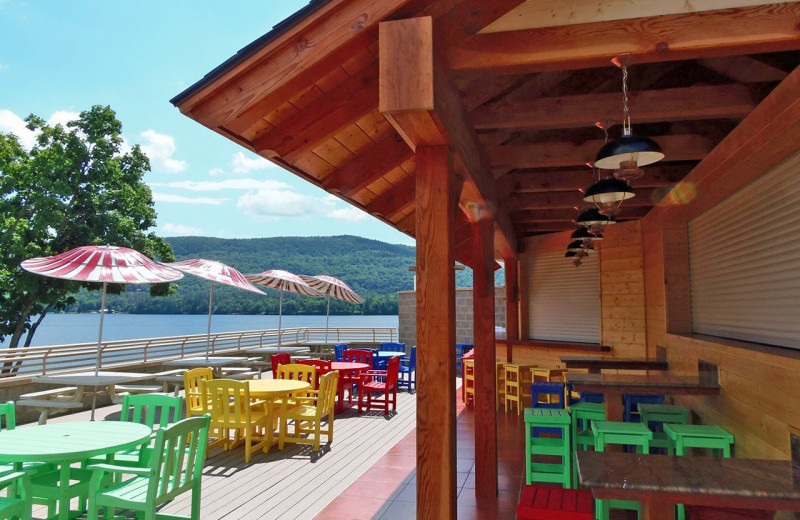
11, 506
8, 416
174, 467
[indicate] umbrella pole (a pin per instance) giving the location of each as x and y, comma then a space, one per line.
327, 317
280, 316
210, 308
99, 344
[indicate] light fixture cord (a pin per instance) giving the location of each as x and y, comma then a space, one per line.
626, 117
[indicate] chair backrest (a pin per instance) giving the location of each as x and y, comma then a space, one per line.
412, 358
358, 356
229, 403
327, 392
281, 358
8, 412
338, 351
392, 347
298, 372
393, 368
322, 366
194, 390
179, 451
154, 410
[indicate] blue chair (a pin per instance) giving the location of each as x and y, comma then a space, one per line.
461, 349
632, 401
592, 397
408, 371
547, 395
338, 351
382, 363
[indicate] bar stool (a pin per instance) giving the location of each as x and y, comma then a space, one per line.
547, 375
656, 415
685, 436
631, 401
469, 381
500, 377
582, 435
626, 434
517, 385
539, 418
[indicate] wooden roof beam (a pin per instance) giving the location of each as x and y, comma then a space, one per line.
688, 147
395, 199
675, 104
758, 29
354, 98
372, 164
418, 98
655, 176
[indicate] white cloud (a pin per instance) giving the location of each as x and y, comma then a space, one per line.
180, 229
274, 204
228, 184
11, 123
215, 172
180, 199
160, 148
62, 117
241, 164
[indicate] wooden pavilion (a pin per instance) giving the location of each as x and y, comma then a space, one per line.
467, 124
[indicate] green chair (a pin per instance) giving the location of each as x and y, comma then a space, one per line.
535, 444
9, 417
175, 467
13, 506
626, 434
583, 413
656, 415
686, 436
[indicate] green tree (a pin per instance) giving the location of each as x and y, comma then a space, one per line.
74, 187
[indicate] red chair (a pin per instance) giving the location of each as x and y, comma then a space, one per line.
282, 358
348, 380
380, 382
323, 367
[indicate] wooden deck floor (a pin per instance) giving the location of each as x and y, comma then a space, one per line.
368, 472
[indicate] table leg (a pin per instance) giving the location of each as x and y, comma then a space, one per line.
614, 411
63, 499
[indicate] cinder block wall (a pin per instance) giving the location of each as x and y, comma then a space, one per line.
407, 314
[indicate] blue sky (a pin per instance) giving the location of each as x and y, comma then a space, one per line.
58, 58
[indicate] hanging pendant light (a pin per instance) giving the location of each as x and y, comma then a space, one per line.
578, 246
608, 194
628, 152
594, 221
584, 235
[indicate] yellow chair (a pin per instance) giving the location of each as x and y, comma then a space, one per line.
232, 410
469, 380
195, 396
299, 372
518, 385
309, 412
500, 395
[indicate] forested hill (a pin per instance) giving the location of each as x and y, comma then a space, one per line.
374, 269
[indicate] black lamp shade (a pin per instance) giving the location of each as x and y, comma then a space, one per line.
641, 150
592, 217
609, 190
578, 245
581, 234
569, 254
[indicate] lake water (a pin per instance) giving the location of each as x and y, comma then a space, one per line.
60, 329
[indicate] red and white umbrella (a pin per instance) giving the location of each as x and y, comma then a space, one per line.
215, 272
283, 281
331, 286
106, 264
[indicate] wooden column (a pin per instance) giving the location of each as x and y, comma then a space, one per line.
512, 302
436, 334
485, 388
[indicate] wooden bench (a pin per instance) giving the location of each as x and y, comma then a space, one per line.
55, 400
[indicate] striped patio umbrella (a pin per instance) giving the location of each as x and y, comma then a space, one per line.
215, 272
106, 264
283, 281
331, 286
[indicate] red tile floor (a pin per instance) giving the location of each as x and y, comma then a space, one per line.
387, 491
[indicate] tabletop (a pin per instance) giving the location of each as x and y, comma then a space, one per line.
598, 363
664, 479
388, 354
348, 366
275, 387
211, 361
102, 378
70, 441
642, 384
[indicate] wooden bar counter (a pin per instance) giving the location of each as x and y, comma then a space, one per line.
595, 364
614, 385
661, 481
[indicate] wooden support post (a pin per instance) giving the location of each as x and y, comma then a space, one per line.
485, 387
436, 334
512, 303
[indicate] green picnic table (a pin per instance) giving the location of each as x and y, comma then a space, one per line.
63, 444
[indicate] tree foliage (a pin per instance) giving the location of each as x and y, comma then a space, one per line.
75, 187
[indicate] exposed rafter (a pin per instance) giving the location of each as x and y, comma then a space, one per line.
362, 171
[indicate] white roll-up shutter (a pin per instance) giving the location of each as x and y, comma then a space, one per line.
745, 262
563, 300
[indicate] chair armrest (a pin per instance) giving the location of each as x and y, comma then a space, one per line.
378, 373
113, 468
11, 477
